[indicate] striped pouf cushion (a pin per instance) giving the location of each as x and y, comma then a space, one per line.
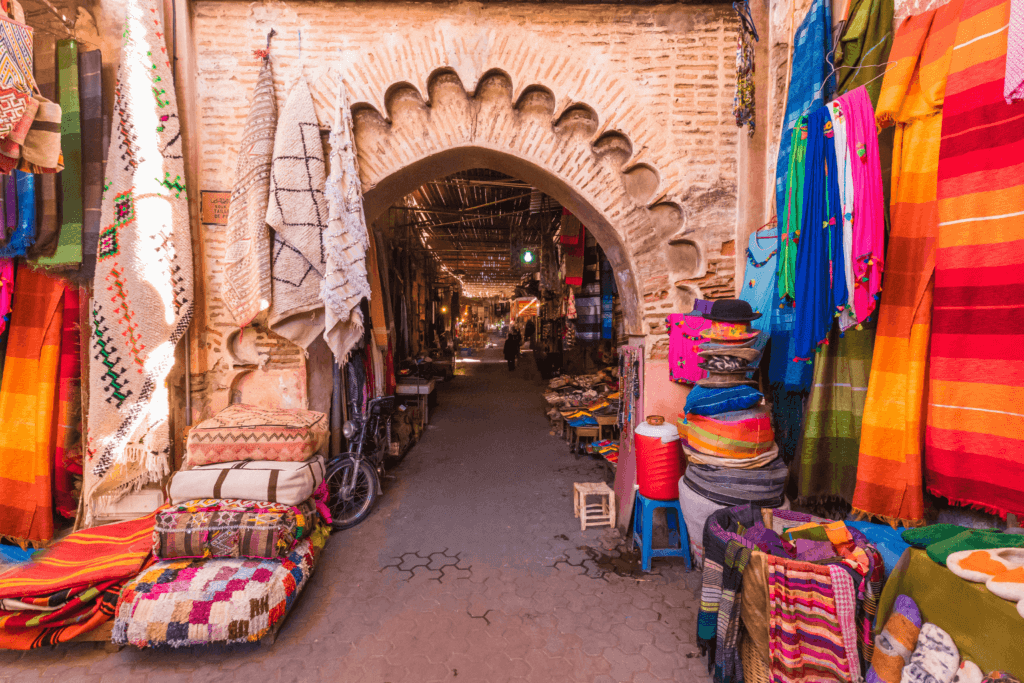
736, 434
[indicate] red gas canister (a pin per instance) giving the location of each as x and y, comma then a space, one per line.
659, 457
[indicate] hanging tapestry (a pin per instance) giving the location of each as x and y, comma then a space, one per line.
247, 289
345, 279
67, 460
90, 81
684, 340
72, 587
864, 47
20, 192
27, 399
974, 452
889, 483
297, 212
68, 253
142, 292
16, 81
844, 172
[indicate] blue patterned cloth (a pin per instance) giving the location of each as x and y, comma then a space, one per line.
24, 235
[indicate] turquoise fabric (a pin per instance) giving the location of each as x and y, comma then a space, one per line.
712, 401
889, 541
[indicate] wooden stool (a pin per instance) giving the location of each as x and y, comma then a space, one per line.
600, 513
604, 421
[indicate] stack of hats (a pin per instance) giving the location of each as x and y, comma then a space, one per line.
725, 429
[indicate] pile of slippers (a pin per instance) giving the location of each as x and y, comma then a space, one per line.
1000, 569
908, 651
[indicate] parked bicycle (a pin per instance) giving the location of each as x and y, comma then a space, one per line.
353, 478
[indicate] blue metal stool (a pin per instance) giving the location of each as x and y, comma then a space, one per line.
643, 523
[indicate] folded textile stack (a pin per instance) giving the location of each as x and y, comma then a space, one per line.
607, 449
244, 527
579, 400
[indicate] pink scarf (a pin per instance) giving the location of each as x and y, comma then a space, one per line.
6, 290
868, 209
1013, 86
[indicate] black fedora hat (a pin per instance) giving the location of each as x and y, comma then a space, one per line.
732, 311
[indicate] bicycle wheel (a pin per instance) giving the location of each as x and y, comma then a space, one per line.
348, 513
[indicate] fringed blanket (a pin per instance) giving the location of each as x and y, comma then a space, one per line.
247, 261
197, 602
27, 399
975, 436
298, 214
889, 483
345, 280
142, 290
71, 587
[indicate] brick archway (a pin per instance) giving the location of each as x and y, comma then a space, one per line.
560, 153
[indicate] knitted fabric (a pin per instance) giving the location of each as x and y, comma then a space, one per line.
345, 282
142, 303
298, 214
247, 262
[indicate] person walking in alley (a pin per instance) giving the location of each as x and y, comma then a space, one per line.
511, 350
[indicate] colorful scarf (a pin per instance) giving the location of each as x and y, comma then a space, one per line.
67, 462
864, 47
72, 587
807, 611
16, 81
684, 339
6, 291
27, 400
247, 289
573, 250
844, 171
789, 237
142, 303
889, 482
1013, 81
975, 434
868, 203
347, 239
19, 192
826, 471
820, 279
69, 243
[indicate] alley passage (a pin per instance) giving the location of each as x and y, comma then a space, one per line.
472, 568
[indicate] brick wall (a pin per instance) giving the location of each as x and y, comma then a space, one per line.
659, 77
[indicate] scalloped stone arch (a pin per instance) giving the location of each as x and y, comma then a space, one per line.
567, 157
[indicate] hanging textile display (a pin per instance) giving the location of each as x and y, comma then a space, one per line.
345, 280
743, 102
863, 49
1013, 80
10, 146
7, 278
889, 482
16, 80
607, 299
142, 303
975, 435
19, 191
759, 276
573, 239
790, 221
27, 399
820, 277
847, 318
684, 340
68, 253
247, 289
297, 212
90, 83
67, 461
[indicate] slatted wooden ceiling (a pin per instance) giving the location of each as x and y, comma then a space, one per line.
476, 222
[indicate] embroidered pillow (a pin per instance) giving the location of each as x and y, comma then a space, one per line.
244, 432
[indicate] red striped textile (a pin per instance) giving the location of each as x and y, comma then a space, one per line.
974, 452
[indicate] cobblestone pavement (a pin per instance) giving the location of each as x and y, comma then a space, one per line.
472, 568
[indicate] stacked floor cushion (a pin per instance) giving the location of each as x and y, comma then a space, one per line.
186, 602
263, 480
245, 432
213, 527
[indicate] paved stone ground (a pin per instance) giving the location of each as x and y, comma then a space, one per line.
472, 568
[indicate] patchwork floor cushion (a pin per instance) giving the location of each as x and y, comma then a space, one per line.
245, 432
214, 527
289, 483
184, 602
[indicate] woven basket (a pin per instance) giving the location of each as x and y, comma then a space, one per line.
755, 667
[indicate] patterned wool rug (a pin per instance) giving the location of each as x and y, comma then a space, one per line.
247, 262
143, 285
298, 214
345, 282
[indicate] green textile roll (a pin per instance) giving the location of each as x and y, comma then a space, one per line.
69, 244
973, 539
986, 629
826, 467
922, 537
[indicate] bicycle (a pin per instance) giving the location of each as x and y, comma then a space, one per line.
353, 478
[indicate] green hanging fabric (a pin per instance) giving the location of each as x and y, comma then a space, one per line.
69, 243
865, 43
789, 222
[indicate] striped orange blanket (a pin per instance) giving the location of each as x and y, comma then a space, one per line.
889, 480
72, 587
27, 400
975, 435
